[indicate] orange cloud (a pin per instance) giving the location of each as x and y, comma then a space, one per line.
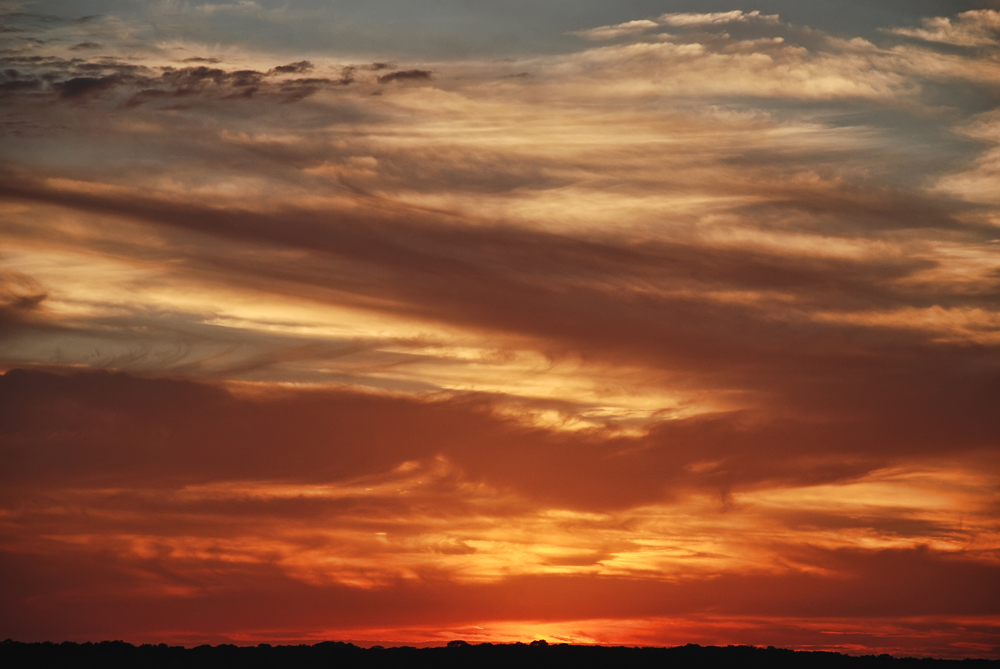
680, 337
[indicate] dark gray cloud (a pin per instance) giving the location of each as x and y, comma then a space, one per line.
14, 82
404, 75
79, 87
294, 68
80, 80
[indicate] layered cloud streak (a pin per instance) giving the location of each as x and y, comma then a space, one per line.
715, 298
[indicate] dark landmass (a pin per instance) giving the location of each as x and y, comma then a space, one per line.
331, 654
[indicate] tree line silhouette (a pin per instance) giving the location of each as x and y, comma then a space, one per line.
335, 654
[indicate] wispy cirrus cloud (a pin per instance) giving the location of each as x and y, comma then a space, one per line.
976, 28
620, 30
715, 18
681, 20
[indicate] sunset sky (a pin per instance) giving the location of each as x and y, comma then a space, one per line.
403, 321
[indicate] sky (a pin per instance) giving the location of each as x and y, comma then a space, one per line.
642, 323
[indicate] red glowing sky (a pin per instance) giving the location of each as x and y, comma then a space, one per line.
657, 327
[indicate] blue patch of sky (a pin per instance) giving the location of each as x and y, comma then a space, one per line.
441, 29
